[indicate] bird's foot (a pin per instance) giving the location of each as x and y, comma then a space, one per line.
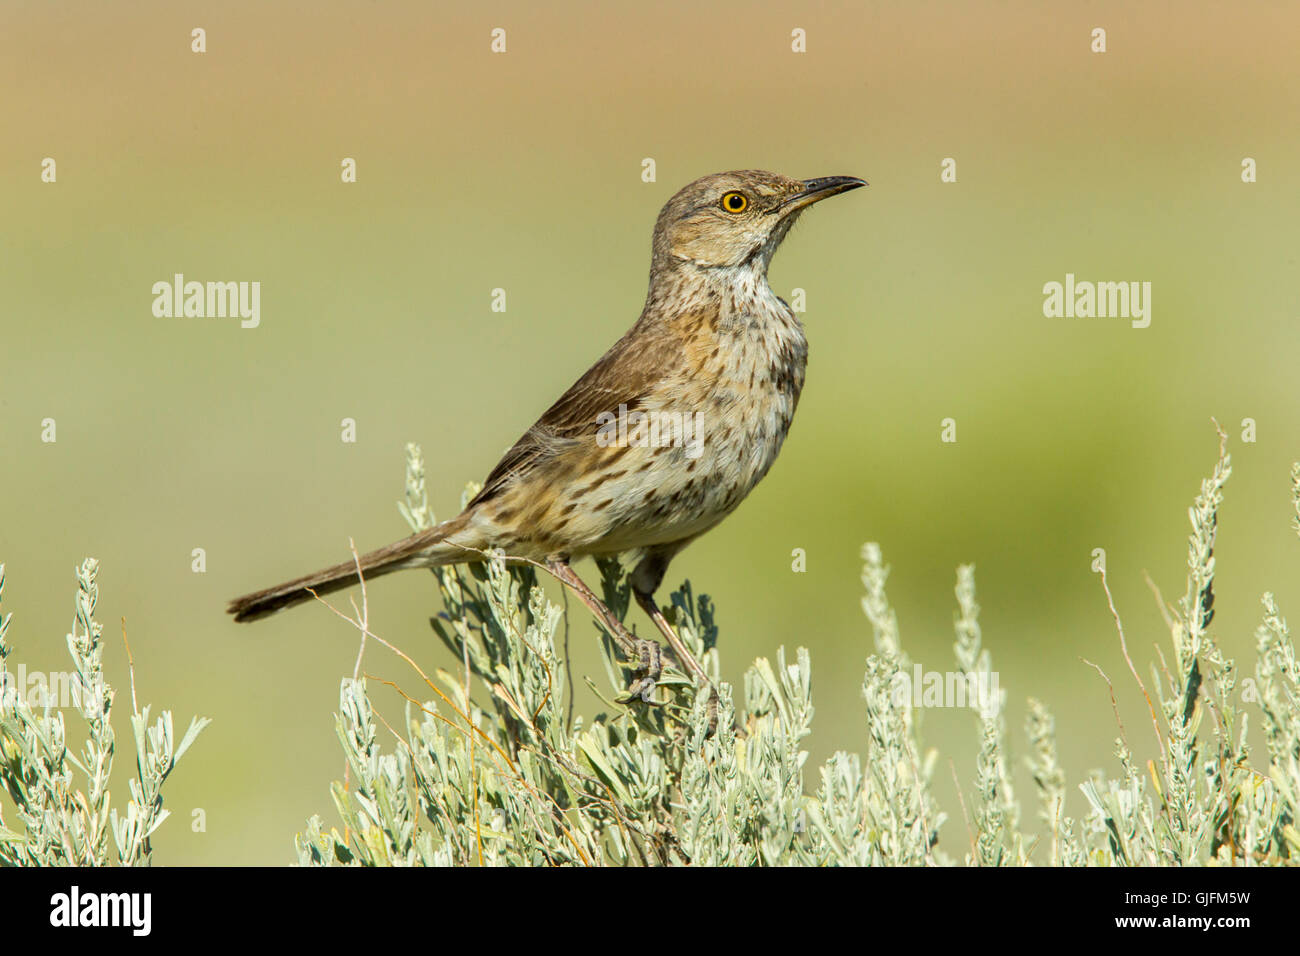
649, 657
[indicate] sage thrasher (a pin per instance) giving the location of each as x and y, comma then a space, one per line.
661, 439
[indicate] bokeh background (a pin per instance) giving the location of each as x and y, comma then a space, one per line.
522, 171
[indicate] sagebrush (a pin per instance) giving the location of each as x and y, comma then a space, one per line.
63, 806
491, 769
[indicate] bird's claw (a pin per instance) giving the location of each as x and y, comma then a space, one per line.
650, 665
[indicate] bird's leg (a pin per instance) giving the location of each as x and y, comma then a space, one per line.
681, 651
646, 654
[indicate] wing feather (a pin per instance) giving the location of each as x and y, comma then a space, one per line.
627, 374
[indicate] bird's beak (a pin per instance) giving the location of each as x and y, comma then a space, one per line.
815, 190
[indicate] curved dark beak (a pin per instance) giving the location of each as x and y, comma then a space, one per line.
815, 190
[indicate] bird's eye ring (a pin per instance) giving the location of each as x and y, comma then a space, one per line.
734, 202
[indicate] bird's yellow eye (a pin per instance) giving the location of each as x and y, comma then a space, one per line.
735, 202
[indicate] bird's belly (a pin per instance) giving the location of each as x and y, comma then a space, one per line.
671, 468
683, 481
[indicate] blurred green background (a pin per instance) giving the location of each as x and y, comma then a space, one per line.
522, 171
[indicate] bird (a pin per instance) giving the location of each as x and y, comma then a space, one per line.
660, 439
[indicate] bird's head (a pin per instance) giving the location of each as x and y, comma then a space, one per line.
737, 218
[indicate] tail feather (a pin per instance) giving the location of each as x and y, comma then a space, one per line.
423, 550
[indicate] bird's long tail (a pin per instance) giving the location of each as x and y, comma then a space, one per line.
423, 550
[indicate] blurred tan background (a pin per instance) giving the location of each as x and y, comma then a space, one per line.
522, 171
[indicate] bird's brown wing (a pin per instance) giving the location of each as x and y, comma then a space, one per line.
625, 375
